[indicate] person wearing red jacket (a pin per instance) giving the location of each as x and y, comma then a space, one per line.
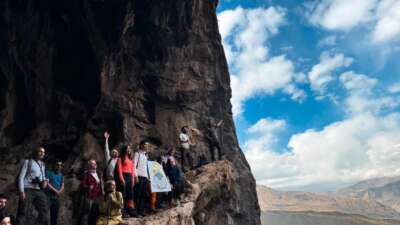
126, 179
92, 191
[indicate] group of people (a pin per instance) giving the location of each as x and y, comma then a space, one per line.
121, 190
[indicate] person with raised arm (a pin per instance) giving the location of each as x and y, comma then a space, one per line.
111, 159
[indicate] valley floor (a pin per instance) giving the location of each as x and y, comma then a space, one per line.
314, 218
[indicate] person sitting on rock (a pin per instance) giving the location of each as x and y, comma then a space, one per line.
111, 159
125, 180
174, 175
91, 187
31, 183
110, 206
142, 187
55, 187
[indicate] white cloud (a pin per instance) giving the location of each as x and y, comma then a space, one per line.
361, 97
364, 145
321, 74
388, 24
358, 83
245, 33
361, 147
341, 14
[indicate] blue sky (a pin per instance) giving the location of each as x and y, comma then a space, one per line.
315, 89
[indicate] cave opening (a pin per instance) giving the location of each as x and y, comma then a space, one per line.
76, 71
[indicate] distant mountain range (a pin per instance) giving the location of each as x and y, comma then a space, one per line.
375, 200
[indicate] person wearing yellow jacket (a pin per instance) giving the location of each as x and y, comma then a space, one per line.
110, 206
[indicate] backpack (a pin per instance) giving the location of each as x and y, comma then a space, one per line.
28, 171
115, 173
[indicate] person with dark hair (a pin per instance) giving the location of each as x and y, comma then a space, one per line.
142, 188
125, 180
55, 187
185, 144
91, 187
111, 159
110, 206
213, 138
31, 183
174, 175
4, 213
3, 205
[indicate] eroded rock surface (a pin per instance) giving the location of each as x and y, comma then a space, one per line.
212, 199
139, 68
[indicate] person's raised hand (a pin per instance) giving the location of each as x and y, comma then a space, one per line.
106, 135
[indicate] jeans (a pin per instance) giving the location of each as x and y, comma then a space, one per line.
54, 203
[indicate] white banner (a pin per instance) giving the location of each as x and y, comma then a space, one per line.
159, 181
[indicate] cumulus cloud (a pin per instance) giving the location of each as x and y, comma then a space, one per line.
361, 97
360, 147
340, 14
364, 145
254, 71
388, 24
344, 15
322, 74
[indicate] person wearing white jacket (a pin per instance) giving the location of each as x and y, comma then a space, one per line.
31, 184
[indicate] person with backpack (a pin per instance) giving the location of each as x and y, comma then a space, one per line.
111, 159
142, 187
55, 189
92, 191
31, 184
125, 179
110, 206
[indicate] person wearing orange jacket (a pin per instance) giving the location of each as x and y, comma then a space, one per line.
125, 180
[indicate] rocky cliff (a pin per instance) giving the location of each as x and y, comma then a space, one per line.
139, 68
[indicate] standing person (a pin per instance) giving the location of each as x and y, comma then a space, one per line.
125, 180
110, 206
91, 187
111, 159
55, 187
212, 136
31, 184
187, 160
142, 189
174, 175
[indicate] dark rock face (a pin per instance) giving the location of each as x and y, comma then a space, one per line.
141, 69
